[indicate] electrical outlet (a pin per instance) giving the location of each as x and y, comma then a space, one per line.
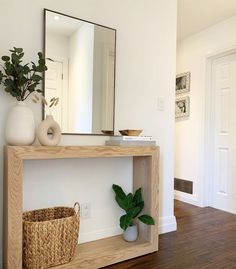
85, 211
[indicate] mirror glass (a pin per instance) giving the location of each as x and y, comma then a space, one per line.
80, 57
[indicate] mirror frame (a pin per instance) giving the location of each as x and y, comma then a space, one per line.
44, 52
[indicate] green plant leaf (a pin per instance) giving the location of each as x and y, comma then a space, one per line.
21, 55
40, 68
15, 58
9, 82
8, 89
33, 66
41, 61
23, 80
133, 212
147, 219
1, 76
26, 69
121, 202
129, 201
36, 77
125, 221
17, 78
140, 206
18, 50
118, 191
31, 87
6, 58
138, 196
40, 55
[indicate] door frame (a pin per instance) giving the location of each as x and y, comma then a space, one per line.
65, 88
209, 127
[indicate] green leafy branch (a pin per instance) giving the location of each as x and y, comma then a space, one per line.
133, 205
21, 80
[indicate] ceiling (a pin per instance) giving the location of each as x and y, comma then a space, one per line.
60, 24
197, 15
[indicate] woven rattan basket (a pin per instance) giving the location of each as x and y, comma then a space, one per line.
50, 236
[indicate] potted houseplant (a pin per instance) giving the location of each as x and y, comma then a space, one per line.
133, 206
20, 81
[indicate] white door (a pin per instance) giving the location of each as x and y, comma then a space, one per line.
224, 87
54, 87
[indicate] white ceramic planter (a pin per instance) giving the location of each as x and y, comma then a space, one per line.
46, 139
131, 234
20, 126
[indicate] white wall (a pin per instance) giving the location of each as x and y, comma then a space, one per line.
192, 53
81, 44
146, 53
56, 46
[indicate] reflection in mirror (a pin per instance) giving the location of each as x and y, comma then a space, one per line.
81, 72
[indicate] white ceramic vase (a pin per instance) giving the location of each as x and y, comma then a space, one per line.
49, 132
131, 234
20, 125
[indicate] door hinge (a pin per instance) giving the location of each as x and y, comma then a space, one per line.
62, 77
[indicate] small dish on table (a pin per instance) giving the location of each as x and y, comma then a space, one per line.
130, 132
107, 132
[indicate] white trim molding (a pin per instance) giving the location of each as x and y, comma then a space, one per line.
207, 167
167, 224
187, 198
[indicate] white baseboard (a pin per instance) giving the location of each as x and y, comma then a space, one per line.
187, 198
167, 224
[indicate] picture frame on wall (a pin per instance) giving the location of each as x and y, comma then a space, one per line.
182, 108
182, 84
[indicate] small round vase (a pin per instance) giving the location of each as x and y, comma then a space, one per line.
20, 125
131, 234
49, 132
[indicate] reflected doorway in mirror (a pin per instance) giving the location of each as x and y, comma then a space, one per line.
81, 73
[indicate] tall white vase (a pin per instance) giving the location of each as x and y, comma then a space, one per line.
20, 126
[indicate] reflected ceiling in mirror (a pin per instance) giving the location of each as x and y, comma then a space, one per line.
80, 57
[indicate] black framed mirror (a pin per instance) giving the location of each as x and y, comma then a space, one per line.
81, 58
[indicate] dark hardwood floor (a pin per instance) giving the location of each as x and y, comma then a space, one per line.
206, 239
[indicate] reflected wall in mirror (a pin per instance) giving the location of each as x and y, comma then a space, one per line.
81, 72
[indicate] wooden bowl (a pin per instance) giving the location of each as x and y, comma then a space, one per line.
107, 132
129, 132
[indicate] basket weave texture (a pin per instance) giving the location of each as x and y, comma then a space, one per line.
50, 236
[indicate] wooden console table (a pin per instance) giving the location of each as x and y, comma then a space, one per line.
94, 254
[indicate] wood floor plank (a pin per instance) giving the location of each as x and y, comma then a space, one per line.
206, 239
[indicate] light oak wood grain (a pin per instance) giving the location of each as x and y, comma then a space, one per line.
13, 210
107, 251
93, 254
145, 175
38, 152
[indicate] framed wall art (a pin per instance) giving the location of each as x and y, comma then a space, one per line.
182, 83
182, 107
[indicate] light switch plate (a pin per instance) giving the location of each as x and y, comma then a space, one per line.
161, 103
